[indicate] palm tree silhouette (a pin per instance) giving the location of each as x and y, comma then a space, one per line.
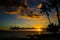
45, 10
54, 4
53, 28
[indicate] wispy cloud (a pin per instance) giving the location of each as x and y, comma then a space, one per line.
17, 11
34, 18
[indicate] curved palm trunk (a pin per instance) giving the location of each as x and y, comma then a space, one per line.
48, 17
58, 15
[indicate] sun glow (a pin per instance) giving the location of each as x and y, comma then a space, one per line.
38, 27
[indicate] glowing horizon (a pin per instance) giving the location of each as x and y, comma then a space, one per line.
20, 16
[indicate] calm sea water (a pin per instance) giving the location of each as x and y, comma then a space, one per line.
19, 33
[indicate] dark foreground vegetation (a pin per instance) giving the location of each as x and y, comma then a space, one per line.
37, 37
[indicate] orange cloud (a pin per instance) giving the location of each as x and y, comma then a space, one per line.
34, 18
39, 6
38, 25
13, 12
40, 22
18, 11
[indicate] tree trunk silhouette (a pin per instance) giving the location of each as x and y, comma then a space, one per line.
48, 17
58, 15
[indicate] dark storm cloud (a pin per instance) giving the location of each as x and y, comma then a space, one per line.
3, 10
10, 9
10, 3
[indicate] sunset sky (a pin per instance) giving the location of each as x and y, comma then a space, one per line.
11, 16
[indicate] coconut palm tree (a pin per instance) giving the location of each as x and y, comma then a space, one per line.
54, 4
45, 10
52, 28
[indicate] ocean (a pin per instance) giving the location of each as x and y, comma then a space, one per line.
22, 33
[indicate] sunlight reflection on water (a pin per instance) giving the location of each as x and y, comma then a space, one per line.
39, 31
28, 30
